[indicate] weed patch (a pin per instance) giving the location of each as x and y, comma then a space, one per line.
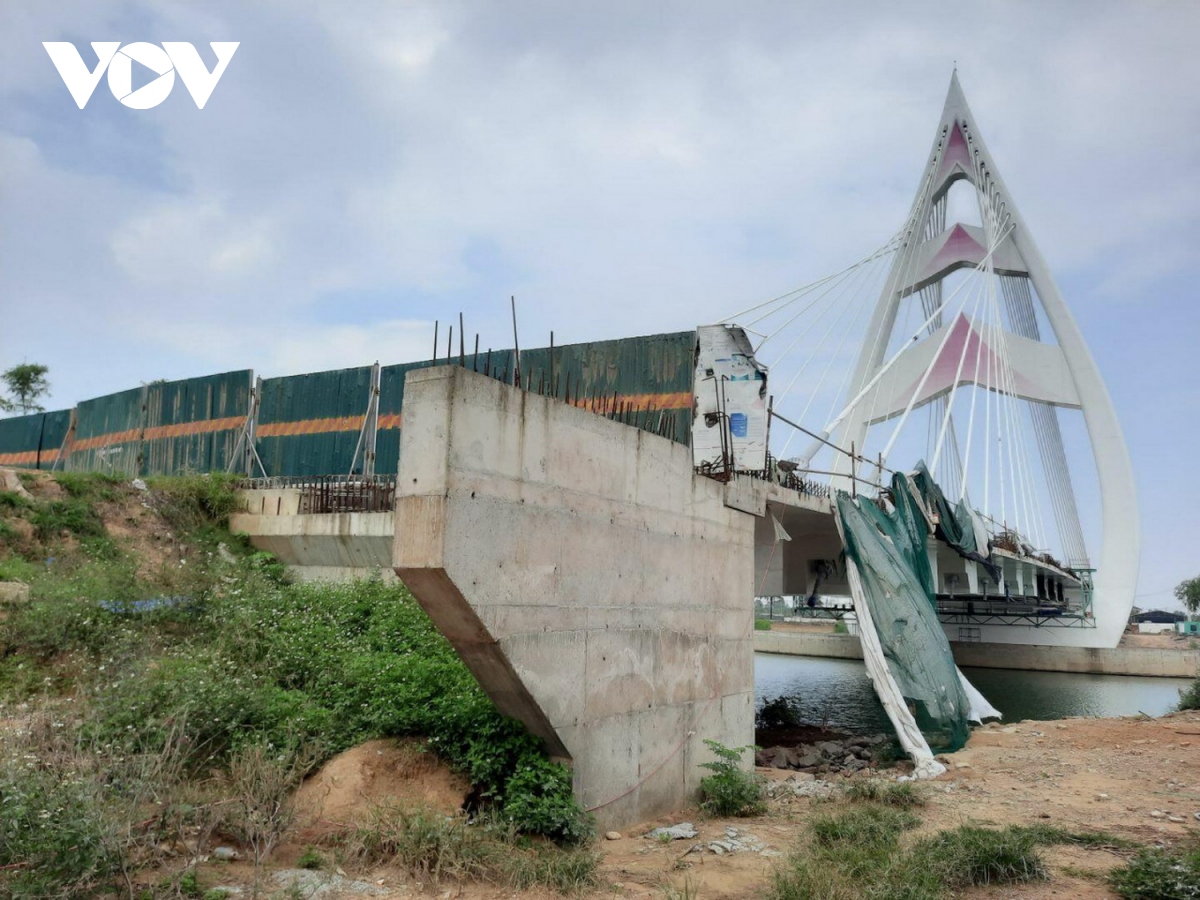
1189, 697
730, 791
71, 516
433, 847
888, 793
195, 504
91, 486
860, 852
1159, 875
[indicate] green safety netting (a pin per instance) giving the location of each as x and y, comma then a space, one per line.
888, 549
959, 526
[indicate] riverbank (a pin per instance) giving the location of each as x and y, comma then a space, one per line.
1162, 662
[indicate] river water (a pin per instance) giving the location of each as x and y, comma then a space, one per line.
838, 694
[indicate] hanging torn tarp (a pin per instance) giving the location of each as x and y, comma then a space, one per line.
959, 526
907, 653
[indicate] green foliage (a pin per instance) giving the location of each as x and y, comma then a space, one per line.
762, 624
432, 847
1189, 697
970, 855
11, 500
1159, 875
25, 384
310, 859
874, 827
1093, 840
91, 486
77, 517
859, 852
1188, 593
887, 793
193, 503
538, 799
189, 884
249, 660
16, 568
54, 837
839, 627
782, 712
730, 791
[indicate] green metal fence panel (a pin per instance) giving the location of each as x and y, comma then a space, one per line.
54, 431
498, 363
20, 440
651, 377
108, 434
193, 425
310, 424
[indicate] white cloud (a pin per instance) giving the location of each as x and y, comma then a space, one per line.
362, 169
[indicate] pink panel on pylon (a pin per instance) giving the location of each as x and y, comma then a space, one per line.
956, 151
990, 369
959, 247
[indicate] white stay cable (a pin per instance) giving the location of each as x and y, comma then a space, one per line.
854, 328
928, 369
962, 358
900, 277
793, 295
913, 338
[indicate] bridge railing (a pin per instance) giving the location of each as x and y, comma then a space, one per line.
321, 494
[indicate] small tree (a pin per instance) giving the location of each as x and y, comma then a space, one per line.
1188, 593
25, 384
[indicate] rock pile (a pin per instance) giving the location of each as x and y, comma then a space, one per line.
824, 757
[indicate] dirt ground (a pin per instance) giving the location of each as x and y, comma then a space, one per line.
1138, 778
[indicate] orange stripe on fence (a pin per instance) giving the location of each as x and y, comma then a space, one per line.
310, 426
18, 459
159, 432
204, 426
107, 440
391, 420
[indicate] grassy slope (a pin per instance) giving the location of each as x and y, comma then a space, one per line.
238, 665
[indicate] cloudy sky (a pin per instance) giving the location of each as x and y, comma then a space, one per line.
621, 167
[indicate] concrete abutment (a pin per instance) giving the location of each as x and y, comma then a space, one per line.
598, 590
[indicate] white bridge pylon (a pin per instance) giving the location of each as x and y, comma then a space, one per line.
954, 366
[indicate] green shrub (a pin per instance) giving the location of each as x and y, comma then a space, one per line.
54, 838
310, 859
782, 712
1189, 697
730, 791
194, 503
762, 624
1159, 875
538, 800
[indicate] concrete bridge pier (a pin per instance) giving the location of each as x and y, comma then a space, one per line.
598, 590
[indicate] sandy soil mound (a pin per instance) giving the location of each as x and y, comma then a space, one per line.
375, 773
